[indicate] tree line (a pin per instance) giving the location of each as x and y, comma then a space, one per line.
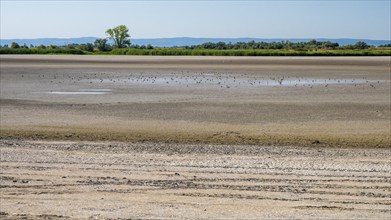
282, 45
118, 42
103, 45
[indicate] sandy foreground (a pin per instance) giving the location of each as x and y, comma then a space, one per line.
41, 179
195, 137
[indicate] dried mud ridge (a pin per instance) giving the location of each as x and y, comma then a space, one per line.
45, 180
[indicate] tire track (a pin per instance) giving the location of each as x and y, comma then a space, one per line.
355, 183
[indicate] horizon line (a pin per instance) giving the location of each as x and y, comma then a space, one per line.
147, 38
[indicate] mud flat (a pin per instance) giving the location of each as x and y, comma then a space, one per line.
195, 137
322, 101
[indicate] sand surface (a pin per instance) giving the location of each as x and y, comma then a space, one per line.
41, 179
195, 137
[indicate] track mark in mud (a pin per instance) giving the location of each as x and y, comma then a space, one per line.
286, 188
323, 207
329, 180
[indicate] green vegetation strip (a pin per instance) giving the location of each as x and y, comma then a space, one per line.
249, 52
204, 52
40, 51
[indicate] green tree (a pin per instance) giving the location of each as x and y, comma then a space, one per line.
361, 45
86, 47
120, 36
101, 45
90, 47
41, 46
70, 46
385, 45
14, 45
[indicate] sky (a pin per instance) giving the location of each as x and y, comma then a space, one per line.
220, 19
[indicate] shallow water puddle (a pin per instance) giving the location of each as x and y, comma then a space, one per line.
82, 92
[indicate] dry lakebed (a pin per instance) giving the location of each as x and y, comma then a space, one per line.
130, 137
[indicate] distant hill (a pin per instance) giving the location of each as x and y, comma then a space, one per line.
182, 41
49, 41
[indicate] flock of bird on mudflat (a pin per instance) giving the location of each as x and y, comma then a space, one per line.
188, 79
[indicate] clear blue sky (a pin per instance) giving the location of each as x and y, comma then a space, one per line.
155, 19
